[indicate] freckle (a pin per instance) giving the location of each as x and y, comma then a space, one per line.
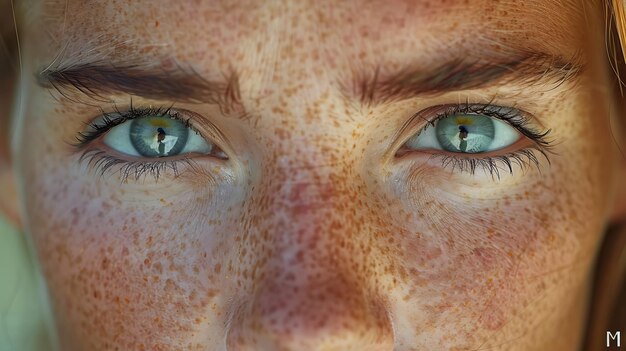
158, 267
218, 268
211, 293
105, 263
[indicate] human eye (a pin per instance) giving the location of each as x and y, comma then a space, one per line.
143, 140
467, 137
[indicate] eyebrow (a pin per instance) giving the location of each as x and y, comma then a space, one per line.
527, 70
96, 80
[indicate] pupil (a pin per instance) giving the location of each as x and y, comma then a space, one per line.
153, 139
463, 132
160, 138
161, 134
463, 135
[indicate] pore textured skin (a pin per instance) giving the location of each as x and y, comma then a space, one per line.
313, 235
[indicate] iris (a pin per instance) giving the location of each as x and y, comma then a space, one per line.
465, 133
158, 136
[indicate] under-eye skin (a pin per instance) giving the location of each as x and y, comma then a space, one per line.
143, 141
467, 137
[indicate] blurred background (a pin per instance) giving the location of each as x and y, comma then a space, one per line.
22, 315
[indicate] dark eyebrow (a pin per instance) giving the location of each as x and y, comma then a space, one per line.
96, 80
373, 88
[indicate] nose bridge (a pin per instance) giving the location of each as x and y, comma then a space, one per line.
307, 191
312, 292
304, 224
311, 198
314, 226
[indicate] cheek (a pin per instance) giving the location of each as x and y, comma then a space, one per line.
487, 256
123, 260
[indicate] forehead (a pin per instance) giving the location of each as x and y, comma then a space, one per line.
218, 32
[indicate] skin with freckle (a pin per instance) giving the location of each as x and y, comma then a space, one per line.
313, 235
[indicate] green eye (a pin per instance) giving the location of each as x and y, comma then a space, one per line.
156, 136
465, 133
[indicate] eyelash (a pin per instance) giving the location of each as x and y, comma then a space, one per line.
494, 164
110, 120
101, 161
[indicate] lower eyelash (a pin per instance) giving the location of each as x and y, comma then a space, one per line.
102, 162
495, 164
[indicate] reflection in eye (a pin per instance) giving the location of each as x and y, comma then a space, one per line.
155, 136
465, 133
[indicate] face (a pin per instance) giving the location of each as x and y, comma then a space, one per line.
363, 175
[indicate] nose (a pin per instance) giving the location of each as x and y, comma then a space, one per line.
310, 313
317, 290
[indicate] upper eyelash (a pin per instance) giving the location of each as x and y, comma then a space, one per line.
111, 119
494, 164
508, 114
